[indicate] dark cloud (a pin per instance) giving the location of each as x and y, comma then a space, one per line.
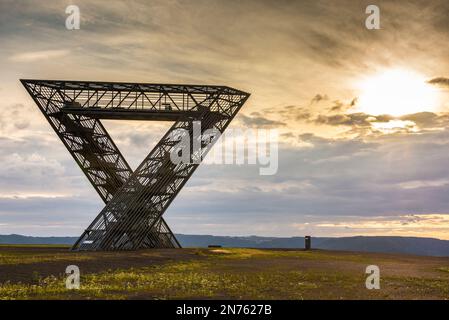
259, 121
440, 16
340, 106
441, 81
318, 97
287, 135
363, 121
425, 119
352, 119
311, 114
302, 115
337, 107
291, 112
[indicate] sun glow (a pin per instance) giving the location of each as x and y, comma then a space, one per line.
395, 126
396, 92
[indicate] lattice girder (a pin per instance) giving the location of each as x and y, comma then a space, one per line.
135, 201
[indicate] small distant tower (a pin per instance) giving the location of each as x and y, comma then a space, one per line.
308, 242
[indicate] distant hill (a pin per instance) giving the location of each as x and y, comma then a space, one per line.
407, 245
19, 239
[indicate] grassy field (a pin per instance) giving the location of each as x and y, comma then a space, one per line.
37, 272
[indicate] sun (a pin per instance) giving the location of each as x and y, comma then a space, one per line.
396, 92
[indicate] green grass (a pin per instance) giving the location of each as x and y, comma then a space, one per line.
228, 274
26, 258
244, 253
197, 279
35, 245
421, 287
443, 269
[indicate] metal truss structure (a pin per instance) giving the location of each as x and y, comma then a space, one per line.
134, 201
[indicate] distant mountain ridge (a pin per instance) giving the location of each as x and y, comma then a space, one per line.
406, 245
20, 239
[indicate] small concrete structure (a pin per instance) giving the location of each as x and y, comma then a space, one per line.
308, 242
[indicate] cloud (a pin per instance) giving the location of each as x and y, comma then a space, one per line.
441, 81
15, 118
290, 113
324, 173
340, 106
259, 121
39, 215
334, 178
318, 97
337, 114
423, 183
324, 182
427, 120
413, 225
353, 119
38, 55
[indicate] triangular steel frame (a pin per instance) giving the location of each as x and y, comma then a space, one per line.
134, 201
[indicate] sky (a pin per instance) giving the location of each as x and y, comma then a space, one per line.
362, 115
